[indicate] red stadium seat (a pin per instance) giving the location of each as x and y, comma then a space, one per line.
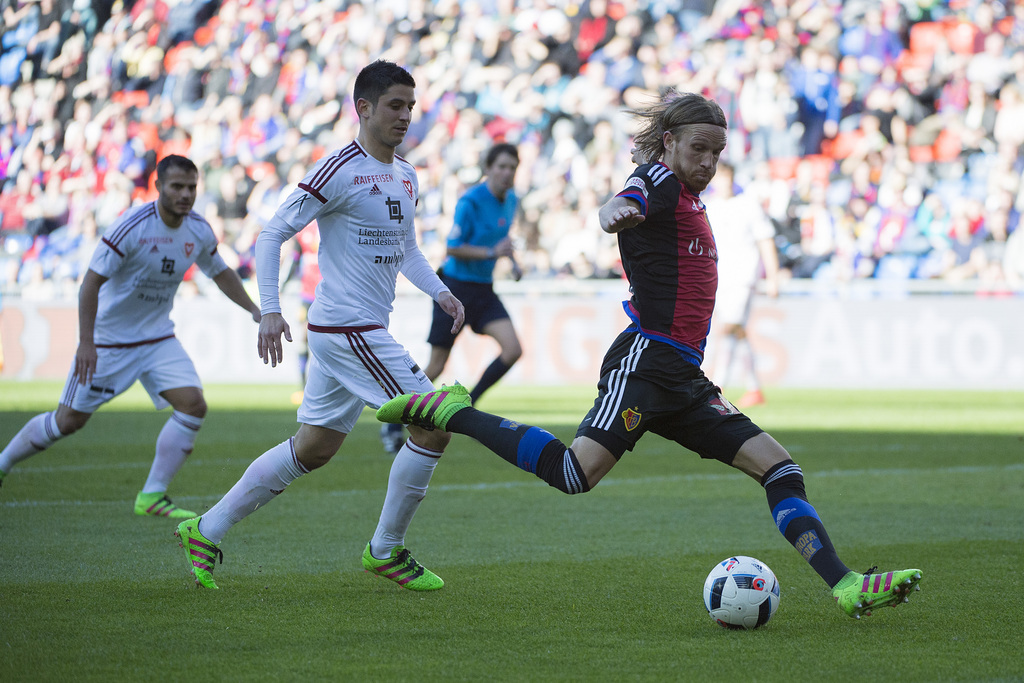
960, 35
783, 168
947, 146
821, 167
921, 154
843, 144
926, 37
132, 98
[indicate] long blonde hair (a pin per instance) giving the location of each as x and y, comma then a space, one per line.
671, 112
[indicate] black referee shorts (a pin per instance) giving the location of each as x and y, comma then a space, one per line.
482, 307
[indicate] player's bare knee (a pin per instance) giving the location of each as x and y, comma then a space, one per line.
315, 458
434, 440
70, 421
196, 407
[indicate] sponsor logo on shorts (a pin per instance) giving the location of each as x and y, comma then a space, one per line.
723, 406
631, 417
509, 424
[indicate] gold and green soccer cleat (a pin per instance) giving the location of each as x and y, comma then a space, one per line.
859, 594
159, 505
401, 568
431, 410
202, 553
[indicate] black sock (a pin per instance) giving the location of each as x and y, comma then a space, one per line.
495, 371
529, 448
799, 522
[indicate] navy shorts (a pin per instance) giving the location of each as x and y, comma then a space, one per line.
482, 307
647, 386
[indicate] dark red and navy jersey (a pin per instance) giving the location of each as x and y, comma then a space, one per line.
671, 262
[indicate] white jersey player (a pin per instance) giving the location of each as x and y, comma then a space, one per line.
126, 333
363, 198
745, 239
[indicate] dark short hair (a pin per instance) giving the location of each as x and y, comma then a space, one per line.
501, 148
374, 80
174, 161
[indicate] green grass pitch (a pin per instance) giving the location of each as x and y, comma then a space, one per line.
540, 586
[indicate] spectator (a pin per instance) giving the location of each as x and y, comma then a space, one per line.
99, 101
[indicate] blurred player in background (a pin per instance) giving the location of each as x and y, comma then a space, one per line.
483, 217
363, 197
651, 378
126, 334
745, 238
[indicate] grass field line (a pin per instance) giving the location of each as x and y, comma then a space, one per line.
605, 483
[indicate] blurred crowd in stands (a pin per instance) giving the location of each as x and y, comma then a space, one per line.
883, 137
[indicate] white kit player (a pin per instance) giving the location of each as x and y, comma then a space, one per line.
363, 198
126, 333
745, 238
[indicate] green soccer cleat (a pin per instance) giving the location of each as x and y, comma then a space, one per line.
431, 410
159, 505
201, 552
401, 568
859, 594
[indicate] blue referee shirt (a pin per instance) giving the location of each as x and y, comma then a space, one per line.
480, 221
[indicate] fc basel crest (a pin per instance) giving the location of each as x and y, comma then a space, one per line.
631, 417
408, 187
189, 246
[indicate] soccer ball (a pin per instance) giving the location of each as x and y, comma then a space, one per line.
741, 593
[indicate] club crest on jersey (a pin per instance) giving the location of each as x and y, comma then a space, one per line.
631, 417
408, 187
189, 246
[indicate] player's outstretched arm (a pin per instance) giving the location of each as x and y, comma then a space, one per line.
229, 283
620, 213
269, 344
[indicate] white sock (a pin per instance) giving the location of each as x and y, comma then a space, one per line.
745, 355
267, 476
407, 485
173, 446
723, 361
36, 436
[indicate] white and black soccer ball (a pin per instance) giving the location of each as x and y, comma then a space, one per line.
741, 592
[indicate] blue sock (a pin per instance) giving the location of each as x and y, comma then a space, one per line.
798, 521
529, 448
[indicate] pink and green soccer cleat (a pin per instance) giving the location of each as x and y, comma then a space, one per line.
401, 568
202, 552
859, 594
159, 505
431, 410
